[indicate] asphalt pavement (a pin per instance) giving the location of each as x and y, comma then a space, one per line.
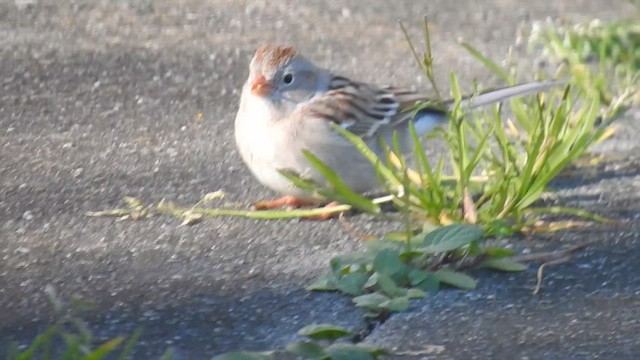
105, 99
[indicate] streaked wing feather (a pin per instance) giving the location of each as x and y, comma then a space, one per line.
364, 108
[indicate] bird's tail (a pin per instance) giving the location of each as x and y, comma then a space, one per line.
430, 117
495, 96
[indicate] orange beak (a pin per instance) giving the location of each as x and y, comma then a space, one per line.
260, 86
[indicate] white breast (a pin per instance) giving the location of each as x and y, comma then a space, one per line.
261, 145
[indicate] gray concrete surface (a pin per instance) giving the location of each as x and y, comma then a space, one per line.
101, 99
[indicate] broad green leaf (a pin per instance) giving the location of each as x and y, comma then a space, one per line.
325, 283
324, 332
386, 284
451, 237
432, 283
342, 351
424, 280
387, 262
503, 264
396, 304
339, 263
416, 294
416, 276
372, 281
352, 283
456, 279
243, 355
307, 350
370, 301
373, 350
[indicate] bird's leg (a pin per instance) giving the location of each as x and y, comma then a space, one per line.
288, 201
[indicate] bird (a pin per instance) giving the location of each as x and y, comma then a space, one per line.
288, 104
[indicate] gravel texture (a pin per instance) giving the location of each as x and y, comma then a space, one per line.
105, 99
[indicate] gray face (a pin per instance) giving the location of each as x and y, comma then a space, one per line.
296, 80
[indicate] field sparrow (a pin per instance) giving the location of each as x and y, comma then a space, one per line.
288, 103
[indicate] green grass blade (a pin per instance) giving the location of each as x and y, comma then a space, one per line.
128, 347
371, 156
104, 349
342, 192
39, 342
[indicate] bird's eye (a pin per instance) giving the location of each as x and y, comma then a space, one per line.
287, 78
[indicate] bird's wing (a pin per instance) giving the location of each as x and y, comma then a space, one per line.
365, 109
